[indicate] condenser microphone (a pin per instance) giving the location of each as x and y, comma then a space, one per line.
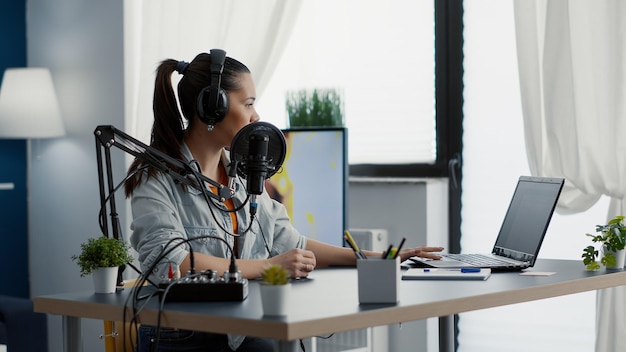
257, 152
257, 162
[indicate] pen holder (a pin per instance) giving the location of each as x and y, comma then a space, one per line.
379, 280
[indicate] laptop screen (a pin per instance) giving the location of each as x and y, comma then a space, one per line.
528, 217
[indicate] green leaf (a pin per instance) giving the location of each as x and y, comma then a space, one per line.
275, 274
319, 107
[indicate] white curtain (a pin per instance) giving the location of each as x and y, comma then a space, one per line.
253, 32
572, 67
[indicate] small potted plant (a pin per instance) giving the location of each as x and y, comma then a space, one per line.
275, 290
314, 108
612, 237
101, 257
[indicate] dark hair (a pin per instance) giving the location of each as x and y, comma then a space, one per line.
168, 127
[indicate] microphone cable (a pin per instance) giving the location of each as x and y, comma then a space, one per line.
232, 270
211, 204
101, 213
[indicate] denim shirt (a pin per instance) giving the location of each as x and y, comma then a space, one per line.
163, 210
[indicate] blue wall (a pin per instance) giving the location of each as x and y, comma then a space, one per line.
13, 34
13, 206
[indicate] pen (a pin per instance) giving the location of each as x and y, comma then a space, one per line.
386, 253
399, 247
470, 270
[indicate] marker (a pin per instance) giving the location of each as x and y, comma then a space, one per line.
399, 248
353, 245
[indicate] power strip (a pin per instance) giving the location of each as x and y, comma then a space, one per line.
199, 290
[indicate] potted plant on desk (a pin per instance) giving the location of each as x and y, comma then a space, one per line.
612, 237
315, 108
275, 290
101, 257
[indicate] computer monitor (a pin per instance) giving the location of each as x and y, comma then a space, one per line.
313, 182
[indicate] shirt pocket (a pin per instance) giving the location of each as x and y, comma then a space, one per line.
208, 240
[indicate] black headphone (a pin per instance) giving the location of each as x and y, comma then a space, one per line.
213, 100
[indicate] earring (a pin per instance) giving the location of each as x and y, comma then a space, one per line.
210, 127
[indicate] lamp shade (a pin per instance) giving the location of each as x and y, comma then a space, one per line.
28, 105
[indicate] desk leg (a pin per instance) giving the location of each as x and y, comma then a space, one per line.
287, 346
72, 335
446, 333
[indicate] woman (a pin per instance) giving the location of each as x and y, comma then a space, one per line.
216, 96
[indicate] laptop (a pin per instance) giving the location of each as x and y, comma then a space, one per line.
521, 234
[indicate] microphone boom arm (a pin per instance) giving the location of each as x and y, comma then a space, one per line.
108, 136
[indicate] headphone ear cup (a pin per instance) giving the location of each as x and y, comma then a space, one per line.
209, 114
222, 104
213, 100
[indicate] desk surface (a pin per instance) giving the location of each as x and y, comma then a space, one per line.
328, 302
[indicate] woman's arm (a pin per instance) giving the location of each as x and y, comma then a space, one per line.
327, 254
298, 262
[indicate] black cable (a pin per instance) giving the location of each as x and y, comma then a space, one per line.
141, 281
101, 214
143, 278
192, 261
326, 337
163, 292
210, 203
162, 308
267, 247
149, 160
208, 200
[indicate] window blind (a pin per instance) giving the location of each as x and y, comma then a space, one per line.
380, 55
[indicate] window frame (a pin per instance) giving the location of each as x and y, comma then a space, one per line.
448, 100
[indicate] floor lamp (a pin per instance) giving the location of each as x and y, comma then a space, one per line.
28, 110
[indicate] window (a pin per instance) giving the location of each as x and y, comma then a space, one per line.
382, 59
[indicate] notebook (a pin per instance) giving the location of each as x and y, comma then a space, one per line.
447, 274
521, 234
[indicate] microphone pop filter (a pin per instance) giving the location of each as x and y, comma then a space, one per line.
276, 148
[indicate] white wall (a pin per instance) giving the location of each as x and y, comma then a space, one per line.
81, 42
412, 208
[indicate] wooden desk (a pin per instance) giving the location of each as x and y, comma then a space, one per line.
329, 303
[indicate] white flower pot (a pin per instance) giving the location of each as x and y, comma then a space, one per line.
275, 299
105, 279
620, 256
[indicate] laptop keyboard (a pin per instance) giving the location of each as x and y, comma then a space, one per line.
477, 259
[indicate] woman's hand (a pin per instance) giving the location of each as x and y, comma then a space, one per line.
421, 251
298, 262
